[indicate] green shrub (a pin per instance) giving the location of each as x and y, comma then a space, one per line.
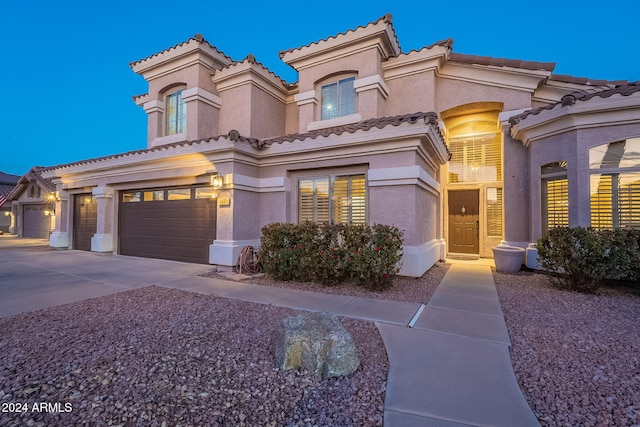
581, 259
332, 253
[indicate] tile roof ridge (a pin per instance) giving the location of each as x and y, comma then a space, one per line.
446, 43
233, 135
566, 78
198, 38
580, 95
380, 122
501, 62
252, 59
387, 18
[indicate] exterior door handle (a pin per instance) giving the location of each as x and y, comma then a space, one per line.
478, 228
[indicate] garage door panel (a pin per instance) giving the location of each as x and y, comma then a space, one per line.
35, 223
169, 229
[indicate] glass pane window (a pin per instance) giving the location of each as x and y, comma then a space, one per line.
179, 194
131, 196
494, 212
615, 184
152, 196
615, 200
555, 195
176, 111
338, 99
341, 199
206, 193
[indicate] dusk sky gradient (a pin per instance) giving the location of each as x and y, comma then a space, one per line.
68, 86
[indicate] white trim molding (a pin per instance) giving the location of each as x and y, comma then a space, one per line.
227, 252
338, 121
403, 175
308, 97
199, 94
372, 83
155, 106
417, 260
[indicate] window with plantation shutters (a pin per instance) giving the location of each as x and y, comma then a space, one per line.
555, 196
476, 152
349, 199
494, 212
339, 198
615, 184
313, 200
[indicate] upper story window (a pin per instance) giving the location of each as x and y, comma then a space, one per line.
176, 113
338, 99
475, 142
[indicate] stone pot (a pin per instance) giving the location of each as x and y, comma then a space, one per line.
508, 259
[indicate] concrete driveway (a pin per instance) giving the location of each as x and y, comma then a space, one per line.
33, 276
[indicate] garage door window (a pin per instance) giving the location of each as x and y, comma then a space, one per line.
206, 193
153, 196
132, 196
179, 194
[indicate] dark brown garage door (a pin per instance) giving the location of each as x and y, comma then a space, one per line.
176, 223
85, 221
34, 222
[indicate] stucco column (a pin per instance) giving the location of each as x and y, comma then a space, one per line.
102, 241
60, 236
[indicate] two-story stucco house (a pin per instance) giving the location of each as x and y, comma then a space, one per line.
461, 152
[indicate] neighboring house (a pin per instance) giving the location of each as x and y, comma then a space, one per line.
461, 152
33, 205
7, 182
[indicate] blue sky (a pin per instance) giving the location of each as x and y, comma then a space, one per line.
68, 86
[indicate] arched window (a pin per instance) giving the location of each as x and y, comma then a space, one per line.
615, 184
175, 112
555, 196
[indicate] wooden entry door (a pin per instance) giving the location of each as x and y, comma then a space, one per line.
85, 221
464, 221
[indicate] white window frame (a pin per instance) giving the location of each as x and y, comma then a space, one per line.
332, 200
340, 103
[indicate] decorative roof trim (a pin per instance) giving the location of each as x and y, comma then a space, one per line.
198, 38
501, 62
583, 96
386, 19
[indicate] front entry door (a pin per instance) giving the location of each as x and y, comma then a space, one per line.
464, 221
85, 221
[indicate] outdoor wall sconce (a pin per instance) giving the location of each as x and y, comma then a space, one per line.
51, 207
217, 181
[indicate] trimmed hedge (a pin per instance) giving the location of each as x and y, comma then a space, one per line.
582, 259
332, 253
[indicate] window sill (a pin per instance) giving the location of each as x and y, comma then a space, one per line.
338, 121
169, 139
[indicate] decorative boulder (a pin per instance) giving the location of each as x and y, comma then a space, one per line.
316, 342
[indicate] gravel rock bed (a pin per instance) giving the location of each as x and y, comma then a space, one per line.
157, 356
575, 356
407, 289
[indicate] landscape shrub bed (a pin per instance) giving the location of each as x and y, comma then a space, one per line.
332, 253
582, 259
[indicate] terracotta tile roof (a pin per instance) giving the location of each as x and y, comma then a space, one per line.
572, 98
197, 38
149, 150
234, 136
252, 59
34, 175
388, 18
585, 80
501, 62
365, 125
446, 43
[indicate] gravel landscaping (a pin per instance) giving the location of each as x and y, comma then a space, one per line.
576, 356
157, 356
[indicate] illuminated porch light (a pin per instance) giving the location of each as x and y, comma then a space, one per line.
217, 181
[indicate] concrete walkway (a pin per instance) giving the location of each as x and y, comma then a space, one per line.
450, 368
